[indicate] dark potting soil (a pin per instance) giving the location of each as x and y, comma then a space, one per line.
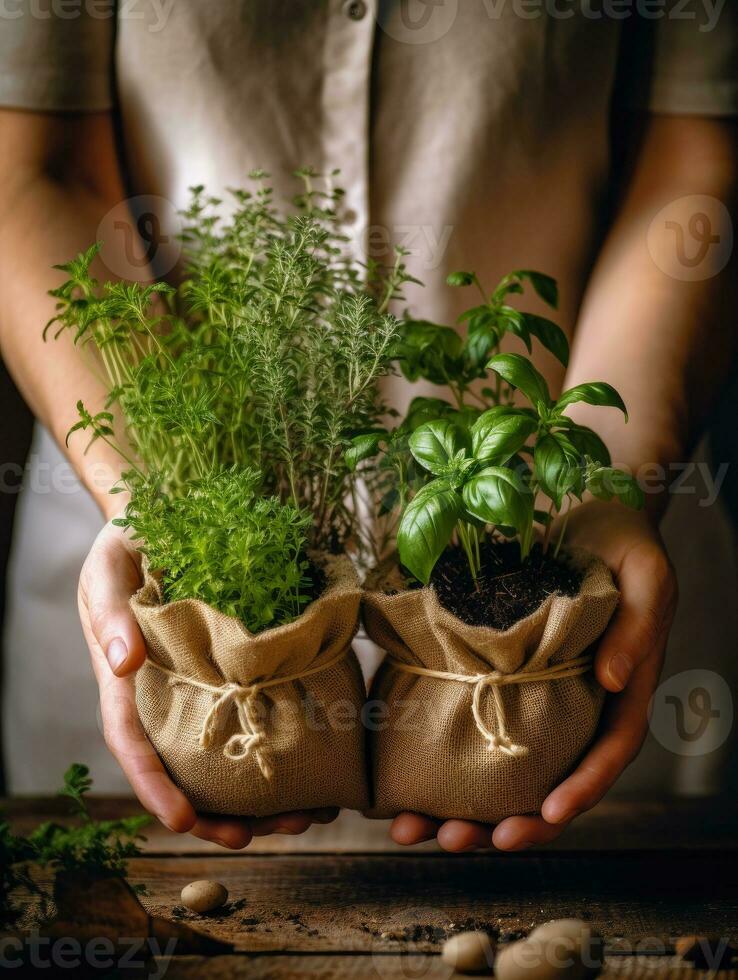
506, 591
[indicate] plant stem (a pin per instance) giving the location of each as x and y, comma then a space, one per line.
549, 527
464, 530
563, 528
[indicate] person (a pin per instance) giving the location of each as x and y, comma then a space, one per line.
574, 138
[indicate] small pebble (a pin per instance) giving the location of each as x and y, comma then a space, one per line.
204, 896
565, 949
575, 937
469, 952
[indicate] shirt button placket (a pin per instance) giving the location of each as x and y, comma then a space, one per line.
347, 60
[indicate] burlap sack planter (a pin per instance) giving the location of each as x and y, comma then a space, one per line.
495, 738
253, 725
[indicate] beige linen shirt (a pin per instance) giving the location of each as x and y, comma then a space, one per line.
476, 133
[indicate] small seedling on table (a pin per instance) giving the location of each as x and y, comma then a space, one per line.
98, 847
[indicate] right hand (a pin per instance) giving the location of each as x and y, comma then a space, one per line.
110, 576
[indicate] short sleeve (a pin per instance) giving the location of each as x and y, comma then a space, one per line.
57, 56
685, 62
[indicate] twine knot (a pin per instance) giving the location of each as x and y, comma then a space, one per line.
494, 681
251, 739
500, 739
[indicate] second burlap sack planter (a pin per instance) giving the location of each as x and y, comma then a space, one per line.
253, 725
477, 723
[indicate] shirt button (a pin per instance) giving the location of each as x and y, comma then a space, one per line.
355, 9
350, 216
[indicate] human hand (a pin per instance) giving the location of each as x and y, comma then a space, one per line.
628, 663
110, 576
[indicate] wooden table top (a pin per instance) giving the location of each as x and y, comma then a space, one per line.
342, 901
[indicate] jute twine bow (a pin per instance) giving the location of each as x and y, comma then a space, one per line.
251, 737
493, 681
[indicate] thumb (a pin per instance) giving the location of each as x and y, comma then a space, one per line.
109, 577
648, 595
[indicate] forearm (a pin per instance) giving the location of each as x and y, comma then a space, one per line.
45, 220
665, 343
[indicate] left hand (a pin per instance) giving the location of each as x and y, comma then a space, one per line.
627, 663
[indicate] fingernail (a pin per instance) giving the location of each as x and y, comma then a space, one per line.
117, 653
620, 670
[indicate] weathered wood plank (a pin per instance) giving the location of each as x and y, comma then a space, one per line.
690, 824
411, 902
418, 967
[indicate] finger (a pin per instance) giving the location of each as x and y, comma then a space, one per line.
520, 833
126, 739
648, 596
295, 822
413, 828
464, 835
226, 831
109, 578
624, 726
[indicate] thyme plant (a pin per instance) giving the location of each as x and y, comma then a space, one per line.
264, 360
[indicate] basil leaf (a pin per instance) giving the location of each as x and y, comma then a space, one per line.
544, 285
593, 393
428, 350
520, 373
363, 447
513, 321
479, 343
550, 335
460, 278
498, 496
435, 444
496, 436
586, 441
608, 482
426, 527
557, 467
424, 410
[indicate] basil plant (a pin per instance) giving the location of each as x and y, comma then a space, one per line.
477, 466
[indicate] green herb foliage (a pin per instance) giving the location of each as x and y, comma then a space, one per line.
266, 358
15, 855
476, 466
220, 541
99, 847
